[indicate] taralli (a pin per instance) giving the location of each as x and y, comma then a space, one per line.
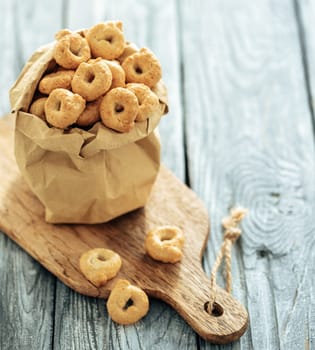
129, 49
62, 32
71, 49
147, 100
119, 109
92, 79
142, 67
165, 244
127, 304
108, 80
63, 108
106, 40
91, 114
38, 108
118, 74
61, 79
100, 265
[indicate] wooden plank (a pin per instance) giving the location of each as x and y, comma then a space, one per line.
163, 327
305, 14
27, 25
8, 60
305, 298
27, 300
250, 141
28, 290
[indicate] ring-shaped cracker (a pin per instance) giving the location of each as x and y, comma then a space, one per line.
148, 101
63, 108
60, 79
119, 109
71, 49
99, 265
142, 67
165, 244
92, 79
106, 40
127, 304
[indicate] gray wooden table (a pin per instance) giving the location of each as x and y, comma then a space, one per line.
241, 79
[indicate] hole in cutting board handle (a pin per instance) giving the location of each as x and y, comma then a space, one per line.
216, 311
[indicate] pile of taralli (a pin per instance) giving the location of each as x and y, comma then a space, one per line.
98, 76
127, 303
95, 76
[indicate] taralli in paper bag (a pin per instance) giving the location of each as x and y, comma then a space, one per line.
88, 152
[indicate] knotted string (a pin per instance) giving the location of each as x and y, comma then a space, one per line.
231, 234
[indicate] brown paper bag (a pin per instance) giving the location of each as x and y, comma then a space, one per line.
83, 176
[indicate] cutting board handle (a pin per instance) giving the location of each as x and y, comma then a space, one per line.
189, 298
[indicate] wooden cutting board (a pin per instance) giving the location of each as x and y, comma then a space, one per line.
58, 247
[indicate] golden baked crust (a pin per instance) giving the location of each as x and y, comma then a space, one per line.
118, 74
119, 109
71, 49
127, 304
38, 108
91, 113
165, 244
60, 79
63, 108
142, 67
106, 40
147, 100
129, 49
99, 265
92, 79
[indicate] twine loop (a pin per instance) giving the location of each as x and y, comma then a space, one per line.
231, 234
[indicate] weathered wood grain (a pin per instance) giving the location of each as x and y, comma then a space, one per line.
305, 14
27, 290
254, 148
252, 144
26, 300
8, 59
24, 26
305, 298
163, 327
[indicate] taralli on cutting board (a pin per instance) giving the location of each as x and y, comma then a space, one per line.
100, 265
71, 49
127, 304
142, 67
61, 79
118, 74
147, 100
38, 108
165, 244
91, 113
119, 109
63, 108
92, 79
106, 40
